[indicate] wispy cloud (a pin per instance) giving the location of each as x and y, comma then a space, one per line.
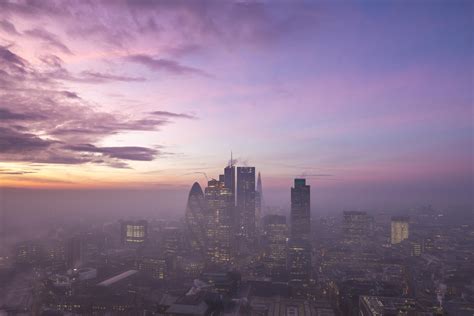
173, 115
8, 27
62, 128
166, 65
6, 114
57, 71
49, 38
15, 172
104, 77
127, 153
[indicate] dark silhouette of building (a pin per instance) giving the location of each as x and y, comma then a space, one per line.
195, 218
258, 201
229, 180
75, 252
299, 245
246, 202
357, 226
171, 241
276, 235
300, 210
299, 260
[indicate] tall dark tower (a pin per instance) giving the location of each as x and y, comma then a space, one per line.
75, 252
196, 218
246, 202
299, 245
258, 200
300, 210
229, 178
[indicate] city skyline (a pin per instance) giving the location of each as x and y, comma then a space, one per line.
266, 80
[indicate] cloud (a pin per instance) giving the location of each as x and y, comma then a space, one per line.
14, 172
12, 141
103, 124
8, 27
125, 152
165, 65
104, 77
315, 175
52, 61
173, 115
40, 122
50, 38
181, 26
58, 72
10, 58
17, 146
70, 94
6, 114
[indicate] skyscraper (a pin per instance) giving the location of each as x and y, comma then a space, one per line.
75, 252
300, 210
400, 226
219, 224
246, 202
276, 234
258, 200
229, 183
299, 260
196, 218
229, 179
299, 245
134, 233
171, 241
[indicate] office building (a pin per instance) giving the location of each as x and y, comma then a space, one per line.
229, 180
171, 241
276, 235
154, 267
246, 202
134, 233
357, 227
399, 229
258, 201
219, 224
299, 260
300, 210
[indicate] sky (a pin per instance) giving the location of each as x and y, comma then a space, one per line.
371, 101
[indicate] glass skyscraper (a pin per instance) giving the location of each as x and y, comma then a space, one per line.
246, 202
300, 210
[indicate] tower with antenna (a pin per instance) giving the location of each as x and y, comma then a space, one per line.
229, 177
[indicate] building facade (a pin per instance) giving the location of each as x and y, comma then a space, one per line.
399, 229
219, 224
195, 218
300, 210
276, 235
134, 233
246, 202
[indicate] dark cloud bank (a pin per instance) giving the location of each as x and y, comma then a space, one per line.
41, 122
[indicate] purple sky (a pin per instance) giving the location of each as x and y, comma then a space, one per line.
370, 100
